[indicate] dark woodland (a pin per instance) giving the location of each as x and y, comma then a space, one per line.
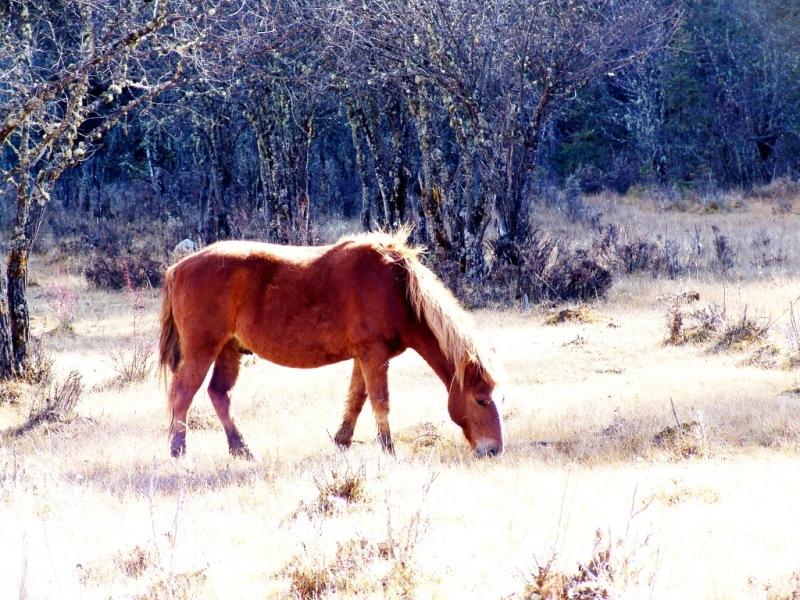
128, 126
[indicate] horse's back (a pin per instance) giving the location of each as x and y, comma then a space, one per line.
293, 305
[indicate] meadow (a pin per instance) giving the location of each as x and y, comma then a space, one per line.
652, 442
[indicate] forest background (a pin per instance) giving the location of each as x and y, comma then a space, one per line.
126, 126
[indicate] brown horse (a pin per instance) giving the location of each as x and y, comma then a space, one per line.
366, 298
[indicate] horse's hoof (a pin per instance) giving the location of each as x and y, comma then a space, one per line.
177, 447
242, 452
343, 437
386, 443
343, 442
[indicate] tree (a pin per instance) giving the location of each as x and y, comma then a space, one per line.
69, 72
494, 72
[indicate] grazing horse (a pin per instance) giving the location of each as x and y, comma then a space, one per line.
366, 298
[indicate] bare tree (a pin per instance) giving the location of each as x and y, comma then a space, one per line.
494, 72
69, 72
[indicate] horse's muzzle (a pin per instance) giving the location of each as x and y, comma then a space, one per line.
490, 449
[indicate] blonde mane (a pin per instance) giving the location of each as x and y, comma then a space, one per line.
434, 304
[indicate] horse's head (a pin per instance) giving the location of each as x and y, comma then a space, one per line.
473, 405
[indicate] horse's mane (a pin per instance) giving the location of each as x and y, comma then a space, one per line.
433, 304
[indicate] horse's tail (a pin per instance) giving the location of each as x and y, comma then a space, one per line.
169, 343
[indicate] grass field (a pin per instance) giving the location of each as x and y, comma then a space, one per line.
633, 468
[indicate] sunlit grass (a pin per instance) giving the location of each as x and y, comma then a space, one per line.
95, 508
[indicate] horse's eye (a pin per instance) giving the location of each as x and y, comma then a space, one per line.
481, 401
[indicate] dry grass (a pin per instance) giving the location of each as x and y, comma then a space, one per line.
610, 572
596, 412
56, 405
579, 314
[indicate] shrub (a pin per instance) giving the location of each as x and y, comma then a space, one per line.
579, 279
113, 272
56, 406
63, 303
743, 332
39, 369
574, 207
134, 366
724, 252
637, 255
765, 253
781, 188
590, 178
538, 270
604, 575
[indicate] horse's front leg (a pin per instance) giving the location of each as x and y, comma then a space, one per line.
376, 376
356, 396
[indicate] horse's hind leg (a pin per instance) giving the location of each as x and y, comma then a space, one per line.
187, 379
356, 396
226, 370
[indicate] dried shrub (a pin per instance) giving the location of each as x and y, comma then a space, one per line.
114, 272
741, 333
202, 421
670, 260
678, 494
605, 244
781, 188
644, 256
580, 314
698, 326
56, 406
580, 279
134, 562
178, 586
793, 340
39, 369
712, 324
347, 572
684, 440
573, 203
12, 392
637, 255
134, 365
536, 269
724, 252
360, 566
336, 488
423, 437
784, 588
591, 178
600, 577
63, 303
765, 357
765, 254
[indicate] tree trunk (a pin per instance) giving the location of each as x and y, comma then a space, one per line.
361, 165
279, 212
7, 364
218, 226
303, 212
397, 170
17, 276
370, 122
432, 194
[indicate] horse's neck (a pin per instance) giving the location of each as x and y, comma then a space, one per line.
427, 346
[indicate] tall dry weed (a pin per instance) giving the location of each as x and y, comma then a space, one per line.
135, 363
